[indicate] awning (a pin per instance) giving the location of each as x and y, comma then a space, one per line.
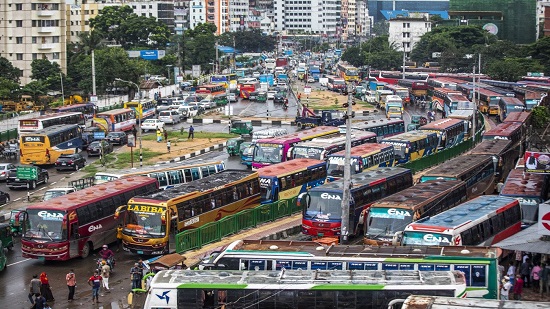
528, 240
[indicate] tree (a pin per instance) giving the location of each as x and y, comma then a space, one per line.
248, 41
9, 90
8, 71
35, 89
377, 53
199, 45
41, 69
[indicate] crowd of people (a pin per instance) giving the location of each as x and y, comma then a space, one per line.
525, 272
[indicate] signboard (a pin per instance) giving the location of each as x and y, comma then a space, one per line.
307, 90
93, 98
152, 54
27, 172
535, 74
544, 219
537, 162
196, 70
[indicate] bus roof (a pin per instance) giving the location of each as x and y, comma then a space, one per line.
300, 135
442, 124
361, 150
157, 167
408, 136
288, 167
520, 183
311, 248
458, 166
55, 115
52, 129
462, 114
87, 195
465, 212
373, 123
323, 141
491, 147
69, 107
200, 185
300, 279
503, 129
115, 111
521, 117
361, 180
512, 101
423, 192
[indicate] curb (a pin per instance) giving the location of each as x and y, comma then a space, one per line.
194, 154
256, 123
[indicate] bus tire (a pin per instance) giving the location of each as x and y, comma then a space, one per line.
85, 250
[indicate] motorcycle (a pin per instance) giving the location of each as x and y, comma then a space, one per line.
111, 262
285, 105
423, 105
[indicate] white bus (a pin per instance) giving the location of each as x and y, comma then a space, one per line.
270, 64
48, 120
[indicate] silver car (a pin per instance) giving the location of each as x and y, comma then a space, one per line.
170, 116
5, 170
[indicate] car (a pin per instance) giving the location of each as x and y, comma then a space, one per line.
192, 98
271, 94
164, 104
151, 124
170, 116
207, 103
232, 97
279, 98
4, 198
200, 108
310, 79
73, 161
188, 111
118, 138
55, 192
95, 148
282, 85
5, 170
40, 176
186, 84
256, 74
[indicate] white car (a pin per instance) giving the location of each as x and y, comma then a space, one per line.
256, 74
271, 94
188, 111
310, 79
151, 124
207, 103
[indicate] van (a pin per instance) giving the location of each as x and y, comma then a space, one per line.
55, 192
170, 116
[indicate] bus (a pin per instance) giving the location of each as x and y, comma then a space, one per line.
501, 152
87, 109
394, 107
210, 90
322, 205
530, 190
416, 88
489, 101
44, 146
270, 64
335, 83
390, 77
144, 109
483, 221
400, 91
168, 175
412, 145
443, 302
75, 224
512, 131
380, 96
149, 222
48, 120
459, 102
450, 132
321, 147
278, 149
348, 72
228, 81
187, 289
387, 218
382, 127
247, 88
507, 105
477, 171
520, 117
363, 158
286, 180
116, 120
479, 264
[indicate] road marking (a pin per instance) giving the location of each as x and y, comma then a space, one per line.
53, 183
18, 262
17, 199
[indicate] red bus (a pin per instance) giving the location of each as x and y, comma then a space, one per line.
248, 88
210, 90
390, 77
416, 87
73, 225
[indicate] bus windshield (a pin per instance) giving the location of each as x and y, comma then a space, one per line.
411, 238
398, 149
336, 166
268, 153
325, 205
46, 224
144, 221
386, 221
308, 152
265, 189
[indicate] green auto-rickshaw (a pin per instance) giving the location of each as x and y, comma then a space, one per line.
3, 258
16, 220
262, 97
241, 127
6, 236
221, 100
234, 146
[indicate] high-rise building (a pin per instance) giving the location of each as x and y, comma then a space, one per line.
313, 17
162, 10
405, 32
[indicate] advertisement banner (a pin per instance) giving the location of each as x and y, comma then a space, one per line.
544, 219
537, 162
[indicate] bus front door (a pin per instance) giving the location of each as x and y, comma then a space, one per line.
73, 240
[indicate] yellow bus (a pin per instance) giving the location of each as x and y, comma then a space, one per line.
45, 146
149, 221
348, 72
143, 109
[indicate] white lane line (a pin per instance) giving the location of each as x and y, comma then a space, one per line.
18, 262
53, 183
17, 199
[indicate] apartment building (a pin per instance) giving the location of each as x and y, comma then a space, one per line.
79, 15
405, 32
308, 16
163, 11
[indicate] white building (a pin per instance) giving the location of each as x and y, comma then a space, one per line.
238, 15
405, 32
163, 11
315, 16
197, 13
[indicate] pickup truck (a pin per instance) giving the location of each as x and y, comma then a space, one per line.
39, 176
325, 118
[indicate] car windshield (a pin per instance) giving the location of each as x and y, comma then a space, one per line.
51, 194
145, 222
325, 205
94, 144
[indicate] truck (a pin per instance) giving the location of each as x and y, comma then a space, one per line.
282, 77
26, 177
315, 72
281, 62
310, 119
301, 73
394, 107
267, 78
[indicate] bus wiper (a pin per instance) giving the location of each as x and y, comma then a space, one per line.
43, 227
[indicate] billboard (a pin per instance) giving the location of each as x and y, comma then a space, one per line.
544, 219
537, 162
152, 54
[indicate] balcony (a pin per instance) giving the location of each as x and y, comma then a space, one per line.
45, 13
45, 46
46, 29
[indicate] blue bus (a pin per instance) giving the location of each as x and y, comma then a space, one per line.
412, 145
450, 131
363, 157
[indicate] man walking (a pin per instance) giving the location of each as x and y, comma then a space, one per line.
71, 284
518, 287
136, 275
34, 288
105, 273
191, 133
95, 283
165, 134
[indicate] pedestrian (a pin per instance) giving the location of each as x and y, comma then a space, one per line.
159, 135
136, 275
168, 146
536, 272
95, 283
40, 302
505, 288
45, 289
134, 132
544, 279
518, 288
165, 134
191, 133
71, 284
105, 272
118, 236
34, 289
525, 272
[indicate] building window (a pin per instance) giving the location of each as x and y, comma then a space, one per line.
33, 40
19, 56
34, 56
19, 7
55, 55
143, 7
19, 23
55, 39
19, 40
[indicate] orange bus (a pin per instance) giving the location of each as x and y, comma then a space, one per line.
210, 90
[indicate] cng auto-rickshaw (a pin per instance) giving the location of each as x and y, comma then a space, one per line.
241, 127
262, 97
6, 236
16, 220
221, 100
234, 146
3, 258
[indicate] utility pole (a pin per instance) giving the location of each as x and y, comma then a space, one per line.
474, 107
346, 198
217, 61
62, 92
93, 73
404, 64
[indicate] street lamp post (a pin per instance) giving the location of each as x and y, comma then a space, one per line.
140, 114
